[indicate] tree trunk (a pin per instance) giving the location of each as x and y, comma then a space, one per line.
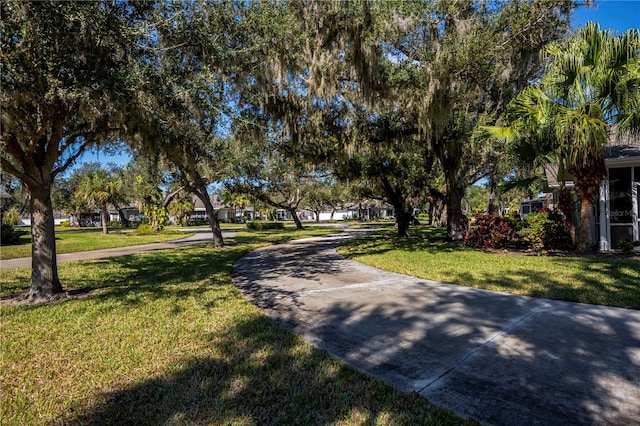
123, 218
402, 207
317, 212
457, 222
218, 241
403, 211
104, 215
44, 268
588, 195
296, 219
491, 208
585, 243
404, 219
213, 217
432, 211
441, 214
587, 185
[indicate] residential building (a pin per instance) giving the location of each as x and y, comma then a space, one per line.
618, 216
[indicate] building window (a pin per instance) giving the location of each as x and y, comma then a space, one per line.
620, 193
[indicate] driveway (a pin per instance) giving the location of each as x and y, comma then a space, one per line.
497, 358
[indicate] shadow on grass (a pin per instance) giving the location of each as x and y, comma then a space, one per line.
265, 376
594, 281
251, 372
420, 238
260, 375
162, 274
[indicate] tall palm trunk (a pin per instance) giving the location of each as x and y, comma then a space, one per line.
105, 218
585, 242
587, 183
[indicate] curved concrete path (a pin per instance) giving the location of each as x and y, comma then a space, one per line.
493, 357
201, 236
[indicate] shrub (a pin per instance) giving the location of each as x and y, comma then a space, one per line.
515, 221
545, 230
11, 217
627, 246
10, 235
258, 225
489, 231
158, 216
65, 223
145, 229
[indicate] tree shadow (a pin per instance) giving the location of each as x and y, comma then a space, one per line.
620, 290
421, 239
262, 376
155, 275
498, 358
133, 280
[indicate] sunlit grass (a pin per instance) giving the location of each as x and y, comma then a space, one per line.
165, 338
600, 280
71, 241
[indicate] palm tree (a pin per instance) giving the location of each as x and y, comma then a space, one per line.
181, 207
97, 188
591, 87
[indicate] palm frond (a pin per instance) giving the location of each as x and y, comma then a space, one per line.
504, 134
524, 183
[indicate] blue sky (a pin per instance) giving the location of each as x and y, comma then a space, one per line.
618, 15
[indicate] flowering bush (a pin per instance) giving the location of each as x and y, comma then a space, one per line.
543, 230
489, 231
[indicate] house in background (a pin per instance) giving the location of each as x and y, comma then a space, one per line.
618, 210
616, 217
225, 213
544, 201
365, 210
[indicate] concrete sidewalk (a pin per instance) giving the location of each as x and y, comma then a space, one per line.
201, 236
493, 357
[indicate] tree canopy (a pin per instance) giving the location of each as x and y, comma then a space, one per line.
287, 96
67, 83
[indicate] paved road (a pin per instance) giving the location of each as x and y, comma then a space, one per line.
201, 235
497, 358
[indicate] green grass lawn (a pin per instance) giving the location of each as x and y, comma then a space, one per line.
601, 280
71, 240
165, 338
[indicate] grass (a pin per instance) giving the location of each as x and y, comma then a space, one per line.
72, 240
165, 338
611, 281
